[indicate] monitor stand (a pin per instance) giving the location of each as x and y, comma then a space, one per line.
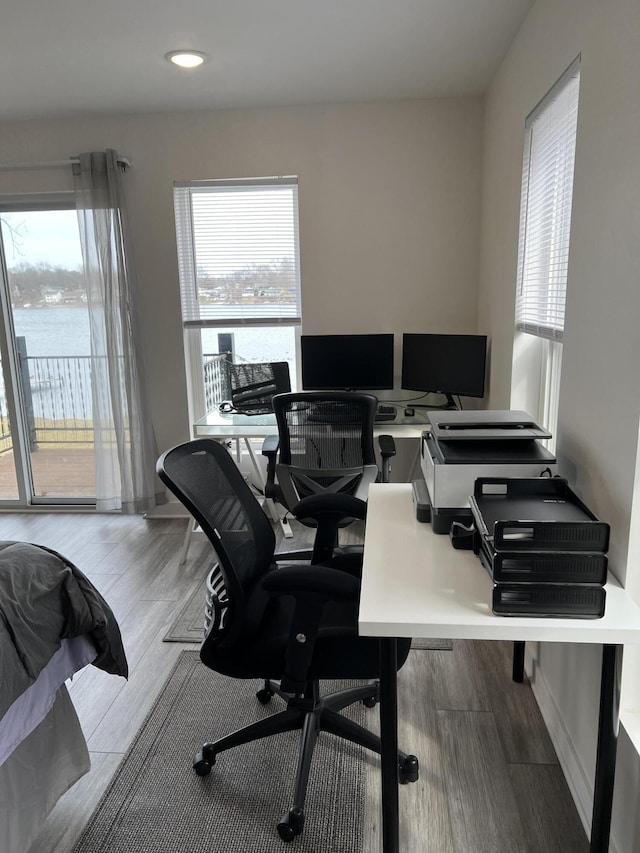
450, 404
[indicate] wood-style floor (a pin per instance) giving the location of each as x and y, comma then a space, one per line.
489, 778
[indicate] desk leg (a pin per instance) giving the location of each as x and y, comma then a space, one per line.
518, 661
607, 744
389, 739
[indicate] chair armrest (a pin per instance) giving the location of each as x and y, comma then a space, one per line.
334, 505
387, 445
387, 450
328, 511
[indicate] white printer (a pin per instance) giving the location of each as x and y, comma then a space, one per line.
464, 445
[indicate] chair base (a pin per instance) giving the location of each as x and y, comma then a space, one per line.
312, 714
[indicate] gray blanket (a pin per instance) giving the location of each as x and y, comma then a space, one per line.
43, 599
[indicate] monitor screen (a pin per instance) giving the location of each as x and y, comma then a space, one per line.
447, 364
347, 362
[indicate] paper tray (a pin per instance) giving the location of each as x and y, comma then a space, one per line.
535, 514
553, 600
575, 567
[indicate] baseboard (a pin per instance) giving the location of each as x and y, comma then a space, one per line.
580, 786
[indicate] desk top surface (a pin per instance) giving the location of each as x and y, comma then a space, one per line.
218, 424
415, 584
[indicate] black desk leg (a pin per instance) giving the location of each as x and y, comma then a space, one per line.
518, 661
607, 744
389, 740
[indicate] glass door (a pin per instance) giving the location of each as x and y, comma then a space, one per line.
46, 441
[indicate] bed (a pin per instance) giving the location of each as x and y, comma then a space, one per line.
53, 622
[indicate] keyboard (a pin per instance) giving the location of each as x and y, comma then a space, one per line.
385, 413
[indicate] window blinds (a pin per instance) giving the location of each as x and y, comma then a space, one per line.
545, 217
238, 252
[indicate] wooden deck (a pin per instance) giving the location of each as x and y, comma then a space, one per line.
64, 471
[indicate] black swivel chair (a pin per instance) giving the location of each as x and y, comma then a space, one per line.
289, 625
325, 445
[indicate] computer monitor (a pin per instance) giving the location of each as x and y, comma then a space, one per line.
445, 364
347, 362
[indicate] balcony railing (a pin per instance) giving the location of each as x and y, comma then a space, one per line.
58, 403
216, 379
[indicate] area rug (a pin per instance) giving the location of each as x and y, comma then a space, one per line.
188, 626
157, 804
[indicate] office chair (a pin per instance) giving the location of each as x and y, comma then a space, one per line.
291, 625
324, 446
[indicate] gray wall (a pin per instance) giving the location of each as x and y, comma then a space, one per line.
600, 385
389, 198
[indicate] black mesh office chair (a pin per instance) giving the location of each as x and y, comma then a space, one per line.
324, 445
289, 625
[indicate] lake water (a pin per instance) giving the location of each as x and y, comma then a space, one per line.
64, 330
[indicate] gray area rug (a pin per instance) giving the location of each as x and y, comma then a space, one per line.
188, 626
157, 804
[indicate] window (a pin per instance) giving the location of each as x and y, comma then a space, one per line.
238, 260
543, 256
47, 452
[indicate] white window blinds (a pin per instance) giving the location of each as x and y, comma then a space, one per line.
238, 252
545, 213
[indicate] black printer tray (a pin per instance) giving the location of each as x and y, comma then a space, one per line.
535, 514
553, 600
573, 567
489, 452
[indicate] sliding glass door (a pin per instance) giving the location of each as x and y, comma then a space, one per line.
46, 445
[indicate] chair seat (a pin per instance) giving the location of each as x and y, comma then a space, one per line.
338, 653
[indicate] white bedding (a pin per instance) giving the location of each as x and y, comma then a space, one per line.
32, 706
38, 772
42, 748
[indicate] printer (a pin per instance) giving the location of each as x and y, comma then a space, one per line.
464, 445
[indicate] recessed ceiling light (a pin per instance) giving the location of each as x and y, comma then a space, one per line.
186, 58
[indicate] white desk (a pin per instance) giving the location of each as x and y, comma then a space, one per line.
415, 584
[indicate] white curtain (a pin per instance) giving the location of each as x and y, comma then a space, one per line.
125, 446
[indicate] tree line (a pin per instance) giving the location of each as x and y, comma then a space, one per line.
29, 283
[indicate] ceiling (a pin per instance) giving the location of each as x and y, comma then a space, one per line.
79, 57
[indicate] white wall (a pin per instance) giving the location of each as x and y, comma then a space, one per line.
600, 388
389, 198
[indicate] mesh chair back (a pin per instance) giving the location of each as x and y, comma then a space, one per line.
253, 385
206, 480
327, 437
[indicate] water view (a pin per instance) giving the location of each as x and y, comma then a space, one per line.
64, 330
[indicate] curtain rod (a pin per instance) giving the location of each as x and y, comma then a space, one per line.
53, 164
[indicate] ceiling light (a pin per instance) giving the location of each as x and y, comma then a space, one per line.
186, 58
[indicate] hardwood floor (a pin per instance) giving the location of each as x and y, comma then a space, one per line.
489, 778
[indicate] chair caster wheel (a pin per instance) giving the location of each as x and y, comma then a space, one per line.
203, 765
264, 696
291, 825
409, 770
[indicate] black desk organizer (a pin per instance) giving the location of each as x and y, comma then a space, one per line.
543, 548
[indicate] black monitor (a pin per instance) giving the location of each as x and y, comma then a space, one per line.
347, 362
445, 364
